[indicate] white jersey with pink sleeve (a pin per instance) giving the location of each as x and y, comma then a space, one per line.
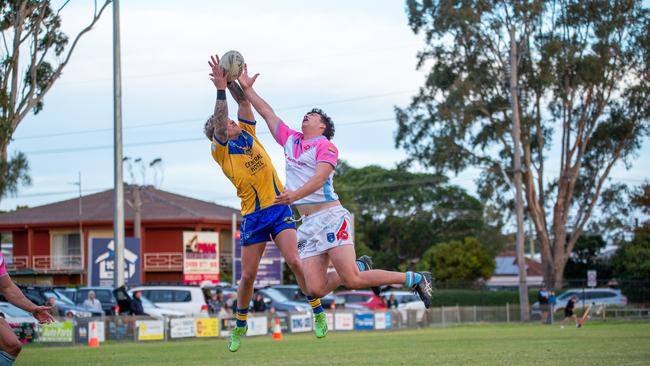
302, 156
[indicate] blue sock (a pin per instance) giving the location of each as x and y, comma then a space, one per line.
412, 278
6, 359
242, 315
315, 305
361, 265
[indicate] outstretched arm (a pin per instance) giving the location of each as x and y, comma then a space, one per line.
245, 110
323, 171
260, 105
12, 293
219, 120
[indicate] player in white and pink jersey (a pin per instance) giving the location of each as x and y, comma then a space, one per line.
325, 234
10, 346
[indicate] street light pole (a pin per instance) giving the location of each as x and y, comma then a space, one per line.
118, 219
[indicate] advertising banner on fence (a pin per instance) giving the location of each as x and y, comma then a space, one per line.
300, 323
383, 321
200, 257
103, 261
343, 321
364, 321
150, 330
99, 331
269, 271
56, 332
330, 320
207, 327
182, 328
257, 325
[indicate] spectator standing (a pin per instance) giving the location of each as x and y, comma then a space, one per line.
258, 304
542, 297
92, 303
136, 304
215, 304
392, 302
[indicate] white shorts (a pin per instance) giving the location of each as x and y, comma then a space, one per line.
323, 231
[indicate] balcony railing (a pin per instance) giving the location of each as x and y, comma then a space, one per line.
57, 262
163, 262
17, 263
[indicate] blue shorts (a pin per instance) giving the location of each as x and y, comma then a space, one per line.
264, 225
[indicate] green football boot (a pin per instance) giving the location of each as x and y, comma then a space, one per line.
235, 338
320, 325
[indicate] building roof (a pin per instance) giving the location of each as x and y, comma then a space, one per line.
98, 207
507, 265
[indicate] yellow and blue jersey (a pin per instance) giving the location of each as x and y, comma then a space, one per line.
245, 162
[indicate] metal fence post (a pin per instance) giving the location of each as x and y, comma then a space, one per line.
507, 312
442, 315
475, 318
458, 313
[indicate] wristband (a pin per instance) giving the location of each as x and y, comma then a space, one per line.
221, 94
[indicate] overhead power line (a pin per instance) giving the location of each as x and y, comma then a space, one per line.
202, 118
173, 141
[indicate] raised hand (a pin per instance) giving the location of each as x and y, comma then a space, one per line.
246, 81
218, 74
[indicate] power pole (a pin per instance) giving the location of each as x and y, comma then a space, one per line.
81, 233
118, 219
521, 261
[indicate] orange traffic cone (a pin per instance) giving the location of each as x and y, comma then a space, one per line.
93, 340
277, 331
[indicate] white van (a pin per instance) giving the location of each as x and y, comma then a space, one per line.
189, 300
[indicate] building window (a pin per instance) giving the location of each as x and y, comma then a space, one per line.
66, 251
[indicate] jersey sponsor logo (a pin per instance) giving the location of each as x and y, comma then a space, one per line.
256, 163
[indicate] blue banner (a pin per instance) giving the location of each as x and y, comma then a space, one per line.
269, 272
364, 321
103, 262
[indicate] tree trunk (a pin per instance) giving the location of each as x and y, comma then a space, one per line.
516, 133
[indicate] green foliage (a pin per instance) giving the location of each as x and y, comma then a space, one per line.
582, 76
458, 261
482, 297
400, 214
632, 268
585, 257
31, 60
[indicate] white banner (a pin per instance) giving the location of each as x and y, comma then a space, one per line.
300, 323
182, 328
200, 256
150, 330
380, 320
344, 321
257, 325
330, 320
100, 331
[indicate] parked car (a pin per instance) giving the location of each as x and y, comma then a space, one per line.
68, 292
367, 299
15, 315
105, 295
407, 301
154, 310
39, 295
189, 300
274, 298
293, 293
593, 296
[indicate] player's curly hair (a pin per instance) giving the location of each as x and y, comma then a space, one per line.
327, 120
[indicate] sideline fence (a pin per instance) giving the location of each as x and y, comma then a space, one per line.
144, 329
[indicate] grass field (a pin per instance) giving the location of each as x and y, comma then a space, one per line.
514, 344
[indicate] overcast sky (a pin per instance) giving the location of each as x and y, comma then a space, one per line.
354, 59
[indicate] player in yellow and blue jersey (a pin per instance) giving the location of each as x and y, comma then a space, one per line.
245, 162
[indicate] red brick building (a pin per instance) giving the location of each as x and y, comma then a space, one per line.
46, 239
